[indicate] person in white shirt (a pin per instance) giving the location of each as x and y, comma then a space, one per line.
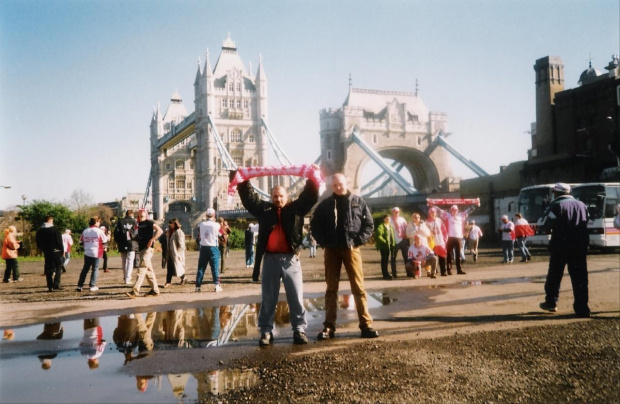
399, 229
420, 255
92, 239
209, 231
67, 243
507, 231
474, 237
454, 222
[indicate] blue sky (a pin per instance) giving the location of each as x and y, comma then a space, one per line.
79, 79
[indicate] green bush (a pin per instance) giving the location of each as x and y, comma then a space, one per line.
236, 239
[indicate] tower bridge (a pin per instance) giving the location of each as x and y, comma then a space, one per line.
191, 154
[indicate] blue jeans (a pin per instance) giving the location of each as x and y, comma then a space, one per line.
286, 267
208, 255
89, 262
525, 253
249, 255
508, 250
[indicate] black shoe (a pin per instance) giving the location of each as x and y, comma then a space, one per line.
299, 338
78, 289
58, 288
583, 314
394, 275
548, 306
461, 273
369, 333
529, 258
152, 293
444, 274
387, 277
523, 260
266, 339
475, 257
449, 272
327, 333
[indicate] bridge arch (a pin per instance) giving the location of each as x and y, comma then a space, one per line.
422, 169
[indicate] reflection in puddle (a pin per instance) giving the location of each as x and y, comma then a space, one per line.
167, 356
126, 358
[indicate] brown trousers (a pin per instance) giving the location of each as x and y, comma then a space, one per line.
352, 260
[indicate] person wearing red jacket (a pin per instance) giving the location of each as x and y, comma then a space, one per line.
522, 231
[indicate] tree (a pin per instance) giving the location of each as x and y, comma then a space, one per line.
36, 212
80, 201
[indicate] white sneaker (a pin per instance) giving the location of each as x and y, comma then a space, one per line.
218, 288
128, 282
94, 289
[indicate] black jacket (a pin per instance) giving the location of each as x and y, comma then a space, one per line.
358, 224
292, 217
49, 239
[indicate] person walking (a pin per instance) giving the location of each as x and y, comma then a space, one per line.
280, 235
385, 243
399, 229
311, 244
148, 232
10, 245
473, 239
208, 233
507, 233
223, 242
104, 258
522, 231
342, 223
67, 244
93, 240
49, 241
567, 218
124, 234
175, 254
248, 242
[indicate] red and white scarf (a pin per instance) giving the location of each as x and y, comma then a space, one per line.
309, 171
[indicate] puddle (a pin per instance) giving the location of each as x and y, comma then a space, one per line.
176, 356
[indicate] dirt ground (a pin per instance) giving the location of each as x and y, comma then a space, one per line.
482, 340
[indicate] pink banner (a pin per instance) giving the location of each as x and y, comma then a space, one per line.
309, 171
453, 201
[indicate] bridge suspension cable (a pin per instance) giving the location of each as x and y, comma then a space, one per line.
383, 177
440, 141
376, 157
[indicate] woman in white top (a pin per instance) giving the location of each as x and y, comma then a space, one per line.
417, 227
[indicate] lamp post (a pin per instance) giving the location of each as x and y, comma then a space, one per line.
23, 231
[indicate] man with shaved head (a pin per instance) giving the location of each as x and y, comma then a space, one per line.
280, 233
342, 223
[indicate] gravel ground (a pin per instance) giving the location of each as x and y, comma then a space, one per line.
477, 344
568, 363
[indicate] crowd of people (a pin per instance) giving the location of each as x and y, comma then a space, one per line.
341, 224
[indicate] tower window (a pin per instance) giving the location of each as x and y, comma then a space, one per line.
251, 138
246, 104
180, 165
235, 136
329, 154
224, 103
238, 104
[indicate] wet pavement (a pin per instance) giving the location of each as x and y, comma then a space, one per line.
110, 359
185, 353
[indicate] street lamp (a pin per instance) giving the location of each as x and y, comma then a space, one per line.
23, 220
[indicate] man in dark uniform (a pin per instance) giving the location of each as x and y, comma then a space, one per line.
49, 241
568, 220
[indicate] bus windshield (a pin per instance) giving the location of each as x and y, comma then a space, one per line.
533, 202
600, 200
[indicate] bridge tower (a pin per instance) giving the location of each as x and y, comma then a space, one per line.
236, 102
397, 125
186, 165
